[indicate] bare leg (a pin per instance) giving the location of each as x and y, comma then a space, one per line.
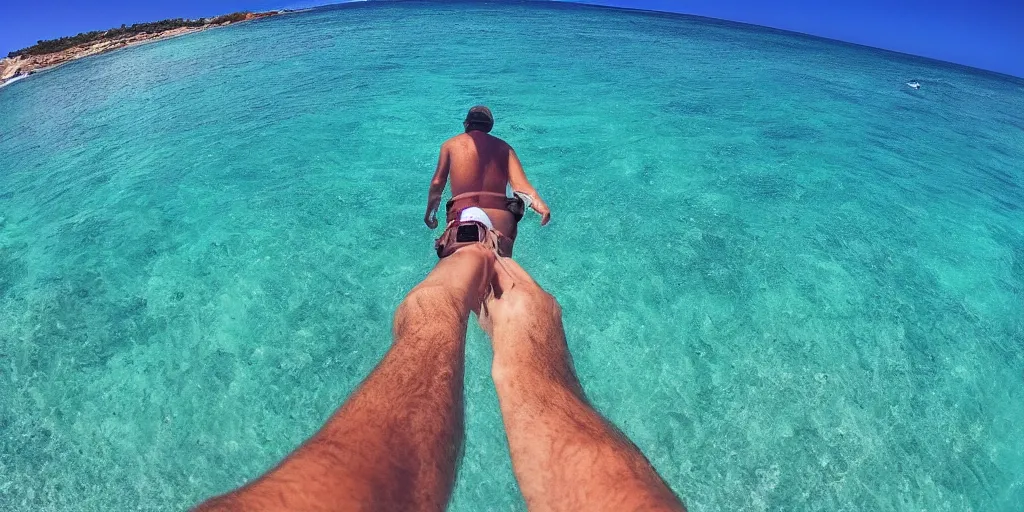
565, 455
394, 444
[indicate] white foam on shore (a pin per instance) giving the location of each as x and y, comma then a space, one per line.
11, 80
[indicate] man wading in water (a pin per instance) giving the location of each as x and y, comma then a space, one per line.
395, 443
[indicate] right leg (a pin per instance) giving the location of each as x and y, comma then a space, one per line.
564, 454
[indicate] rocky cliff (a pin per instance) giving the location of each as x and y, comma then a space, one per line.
28, 64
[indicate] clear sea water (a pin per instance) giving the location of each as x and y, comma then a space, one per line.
794, 282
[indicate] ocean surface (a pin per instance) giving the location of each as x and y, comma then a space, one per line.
796, 283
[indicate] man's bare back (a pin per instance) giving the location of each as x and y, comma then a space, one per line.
476, 161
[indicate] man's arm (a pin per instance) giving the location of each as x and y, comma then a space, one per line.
395, 442
564, 454
517, 178
437, 184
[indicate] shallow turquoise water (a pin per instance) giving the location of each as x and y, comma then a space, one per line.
794, 282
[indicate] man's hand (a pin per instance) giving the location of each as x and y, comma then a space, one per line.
430, 219
541, 207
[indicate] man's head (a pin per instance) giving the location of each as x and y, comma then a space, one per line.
479, 118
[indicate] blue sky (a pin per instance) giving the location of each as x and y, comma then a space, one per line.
987, 34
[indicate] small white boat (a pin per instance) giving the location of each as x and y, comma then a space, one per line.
914, 84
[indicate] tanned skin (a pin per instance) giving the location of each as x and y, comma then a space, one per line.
394, 444
480, 162
564, 454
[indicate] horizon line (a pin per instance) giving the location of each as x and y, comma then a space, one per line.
585, 4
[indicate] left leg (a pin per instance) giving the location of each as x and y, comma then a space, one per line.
394, 444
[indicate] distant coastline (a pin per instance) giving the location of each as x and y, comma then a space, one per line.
48, 54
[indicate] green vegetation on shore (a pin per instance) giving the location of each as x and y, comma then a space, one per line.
57, 45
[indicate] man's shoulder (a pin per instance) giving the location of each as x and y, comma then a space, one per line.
464, 139
454, 140
501, 142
